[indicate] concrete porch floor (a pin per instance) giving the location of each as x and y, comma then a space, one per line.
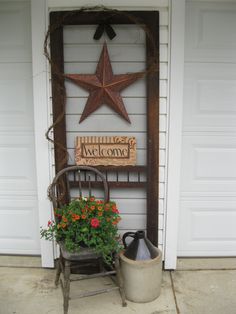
30, 290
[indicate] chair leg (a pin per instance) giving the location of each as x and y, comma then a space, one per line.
58, 271
120, 280
101, 265
66, 288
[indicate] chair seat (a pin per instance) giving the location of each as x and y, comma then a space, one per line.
82, 255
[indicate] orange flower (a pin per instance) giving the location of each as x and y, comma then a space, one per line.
107, 207
63, 225
100, 214
64, 219
83, 216
92, 207
92, 199
100, 208
114, 222
75, 217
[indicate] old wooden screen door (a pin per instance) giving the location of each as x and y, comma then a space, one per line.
149, 20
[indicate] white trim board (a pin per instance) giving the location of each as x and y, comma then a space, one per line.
177, 24
139, 4
40, 94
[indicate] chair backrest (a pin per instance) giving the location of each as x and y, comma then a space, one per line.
59, 191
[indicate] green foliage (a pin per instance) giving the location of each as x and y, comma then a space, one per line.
86, 222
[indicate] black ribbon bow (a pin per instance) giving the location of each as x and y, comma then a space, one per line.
104, 27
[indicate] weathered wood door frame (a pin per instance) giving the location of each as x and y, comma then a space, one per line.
150, 19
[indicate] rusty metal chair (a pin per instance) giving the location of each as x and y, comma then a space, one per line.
60, 193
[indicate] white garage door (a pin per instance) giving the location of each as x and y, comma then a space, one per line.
19, 231
208, 180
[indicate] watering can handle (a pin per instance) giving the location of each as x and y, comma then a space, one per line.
125, 235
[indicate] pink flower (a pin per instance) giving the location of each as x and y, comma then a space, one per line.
94, 222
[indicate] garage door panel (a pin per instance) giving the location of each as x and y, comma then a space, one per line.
209, 97
208, 164
15, 42
16, 110
17, 164
207, 233
210, 37
22, 236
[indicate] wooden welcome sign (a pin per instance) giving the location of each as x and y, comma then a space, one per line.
105, 151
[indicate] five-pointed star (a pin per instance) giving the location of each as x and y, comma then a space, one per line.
104, 87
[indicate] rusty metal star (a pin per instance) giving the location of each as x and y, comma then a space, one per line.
104, 87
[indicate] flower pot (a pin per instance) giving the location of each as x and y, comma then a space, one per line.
83, 254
